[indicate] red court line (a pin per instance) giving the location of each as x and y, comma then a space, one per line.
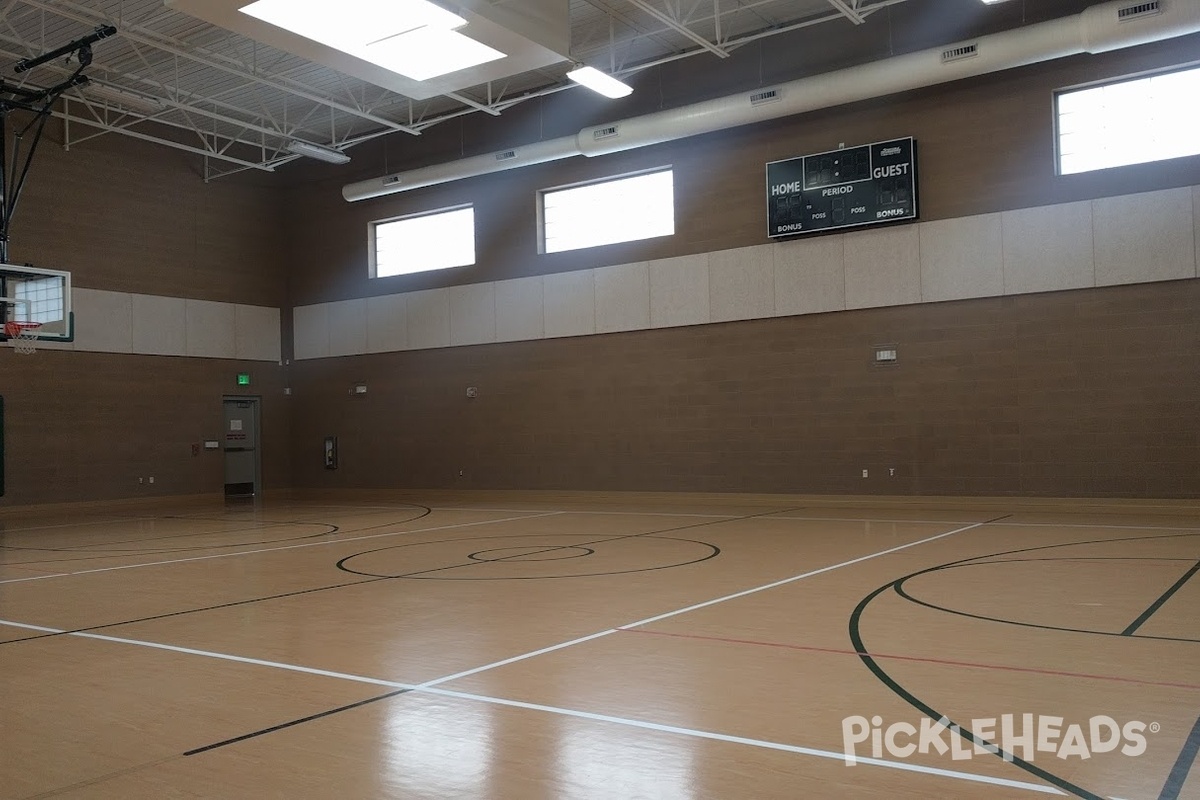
945, 662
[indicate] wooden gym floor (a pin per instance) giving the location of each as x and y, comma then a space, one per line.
600, 646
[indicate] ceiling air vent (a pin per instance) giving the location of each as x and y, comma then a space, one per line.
960, 52
1139, 10
507, 155
604, 133
764, 97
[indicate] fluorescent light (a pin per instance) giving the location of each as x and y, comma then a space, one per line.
120, 97
415, 38
320, 153
597, 81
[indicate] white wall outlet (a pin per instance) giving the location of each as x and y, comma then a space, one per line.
864, 473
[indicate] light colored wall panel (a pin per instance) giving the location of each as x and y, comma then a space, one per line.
1048, 248
159, 326
310, 331
962, 258
348, 327
210, 329
1196, 224
103, 320
741, 283
570, 303
623, 298
883, 267
387, 323
520, 311
473, 314
256, 333
429, 319
679, 291
1144, 237
810, 276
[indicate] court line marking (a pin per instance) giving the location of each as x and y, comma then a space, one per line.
428, 688
694, 607
918, 659
611, 513
1161, 601
287, 547
70, 524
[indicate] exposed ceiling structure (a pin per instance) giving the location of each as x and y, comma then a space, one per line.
177, 80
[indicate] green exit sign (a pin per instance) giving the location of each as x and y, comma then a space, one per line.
243, 379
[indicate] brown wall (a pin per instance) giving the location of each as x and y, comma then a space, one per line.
1087, 393
86, 426
1073, 393
126, 216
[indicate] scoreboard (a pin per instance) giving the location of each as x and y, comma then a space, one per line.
866, 185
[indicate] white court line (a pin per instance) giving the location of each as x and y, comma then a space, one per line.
567, 712
274, 549
71, 524
705, 604
722, 737
611, 513
876, 519
1085, 525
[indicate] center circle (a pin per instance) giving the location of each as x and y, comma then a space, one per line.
550, 553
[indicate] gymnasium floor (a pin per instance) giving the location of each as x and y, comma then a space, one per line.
600, 646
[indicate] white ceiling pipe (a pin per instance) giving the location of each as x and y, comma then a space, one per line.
523, 156
1098, 29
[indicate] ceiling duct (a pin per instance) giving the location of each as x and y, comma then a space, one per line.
1101, 28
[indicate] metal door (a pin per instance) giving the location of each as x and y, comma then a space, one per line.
242, 468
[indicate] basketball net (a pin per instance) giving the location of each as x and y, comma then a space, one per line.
23, 336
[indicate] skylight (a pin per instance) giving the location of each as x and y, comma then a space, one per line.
414, 38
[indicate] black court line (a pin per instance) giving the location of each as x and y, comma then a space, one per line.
312, 590
1179, 773
294, 722
222, 605
124, 552
312, 717
1157, 604
551, 549
897, 584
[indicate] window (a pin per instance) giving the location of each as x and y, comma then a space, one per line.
1128, 122
618, 210
44, 297
423, 242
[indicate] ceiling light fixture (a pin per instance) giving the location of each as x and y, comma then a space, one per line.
414, 38
120, 97
599, 82
325, 154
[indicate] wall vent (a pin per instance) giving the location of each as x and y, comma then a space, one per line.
960, 52
507, 155
765, 96
605, 133
1140, 10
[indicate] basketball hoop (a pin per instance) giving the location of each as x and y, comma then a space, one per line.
23, 336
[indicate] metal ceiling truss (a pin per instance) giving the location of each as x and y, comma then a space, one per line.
176, 81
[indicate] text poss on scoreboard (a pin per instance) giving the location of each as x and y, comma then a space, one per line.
866, 185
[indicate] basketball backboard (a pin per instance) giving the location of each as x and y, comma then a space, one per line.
30, 294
